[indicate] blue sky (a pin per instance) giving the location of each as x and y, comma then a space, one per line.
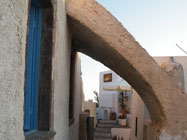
156, 24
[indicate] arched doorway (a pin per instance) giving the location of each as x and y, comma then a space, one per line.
99, 35
105, 115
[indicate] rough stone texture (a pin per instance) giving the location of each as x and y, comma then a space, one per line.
13, 28
102, 37
174, 69
177, 59
183, 61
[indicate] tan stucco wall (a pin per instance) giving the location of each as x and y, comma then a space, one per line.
137, 110
176, 67
183, 61
78, 95
13, 27
179, 59
92, 107
102, 37
60, 73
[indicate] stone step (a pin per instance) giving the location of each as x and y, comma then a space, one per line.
103, 135
108, 125
101, 139
108, 121
106, 130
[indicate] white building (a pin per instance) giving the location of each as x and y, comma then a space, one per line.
111, 85
108, 100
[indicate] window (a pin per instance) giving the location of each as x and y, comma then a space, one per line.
39, 67
108, 77
71, 92
136, 127
32, 68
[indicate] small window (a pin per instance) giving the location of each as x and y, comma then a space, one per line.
71, 92
108, 77
136, 128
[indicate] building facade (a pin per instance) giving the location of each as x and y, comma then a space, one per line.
110, 87
58, 26
37, 62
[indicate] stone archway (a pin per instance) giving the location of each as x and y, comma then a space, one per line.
99, 35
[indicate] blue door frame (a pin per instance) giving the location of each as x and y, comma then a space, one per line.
32, 68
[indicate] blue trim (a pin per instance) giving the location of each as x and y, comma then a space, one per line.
32, 69
36, 62
28, 92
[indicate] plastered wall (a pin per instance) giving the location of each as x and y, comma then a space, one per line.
137, 110
110, 43
90, 105
13, 28
179, 59
183, 61
13, 38
60, 72
61, 76
78, 94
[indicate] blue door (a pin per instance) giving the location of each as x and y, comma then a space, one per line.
32, 67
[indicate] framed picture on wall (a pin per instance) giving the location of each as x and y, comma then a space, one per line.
108, 77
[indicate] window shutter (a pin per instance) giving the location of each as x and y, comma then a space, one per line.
32, 69
29, 68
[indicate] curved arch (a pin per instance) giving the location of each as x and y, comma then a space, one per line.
99, 35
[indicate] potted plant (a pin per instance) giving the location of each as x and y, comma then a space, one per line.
112, 115
122, 117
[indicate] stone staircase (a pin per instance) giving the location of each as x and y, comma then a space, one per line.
103, 129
